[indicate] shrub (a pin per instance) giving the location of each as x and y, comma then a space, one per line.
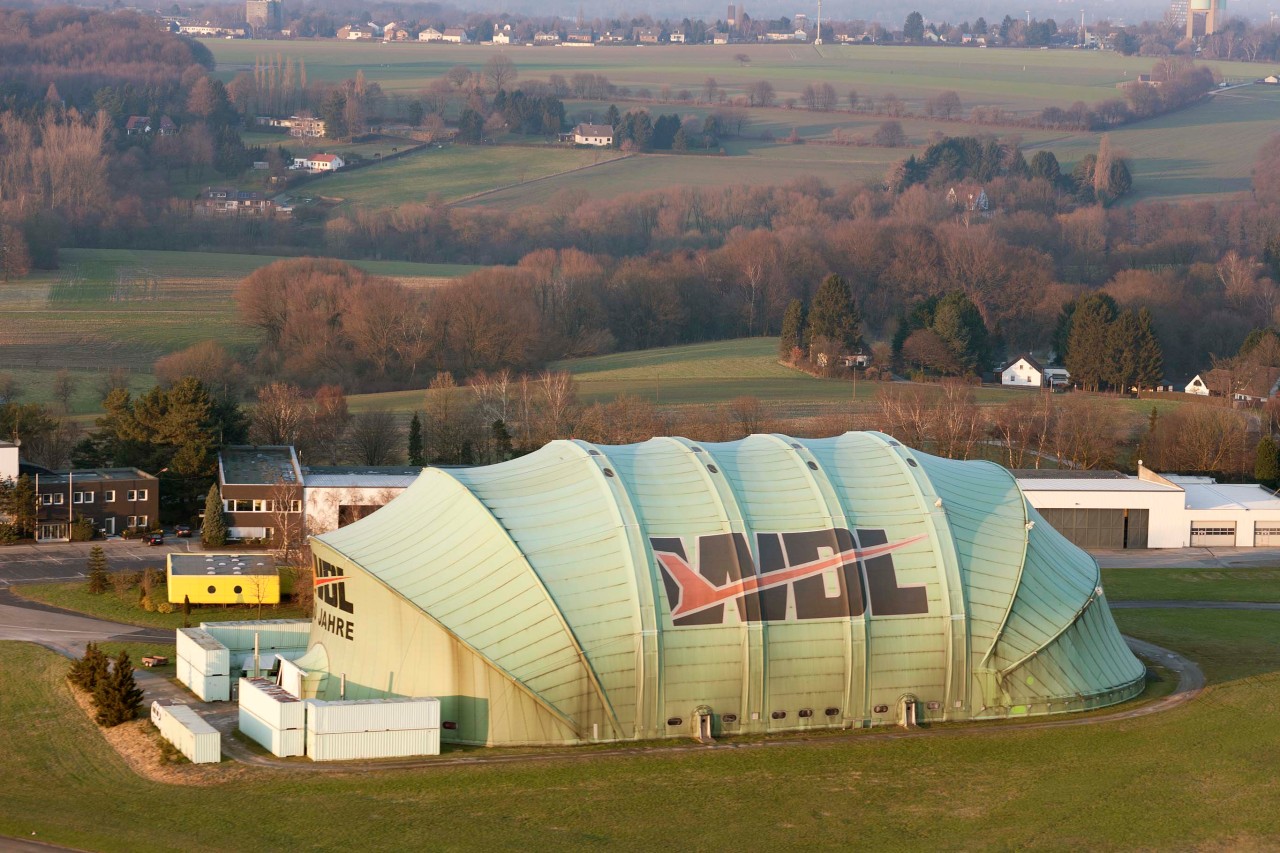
82, 530
164, 607
8, 534
147, 604
117, 696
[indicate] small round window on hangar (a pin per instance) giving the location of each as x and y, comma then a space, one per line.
212, 589
238, 590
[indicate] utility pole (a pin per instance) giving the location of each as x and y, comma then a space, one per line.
818, 38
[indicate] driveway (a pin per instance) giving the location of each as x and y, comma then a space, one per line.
1188, 558
62, 561
64, 631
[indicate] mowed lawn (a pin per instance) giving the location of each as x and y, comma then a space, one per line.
1200, 775
1192, 584
452, 173
110, 308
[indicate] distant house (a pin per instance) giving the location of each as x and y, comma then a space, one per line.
208, 30
137, 125
546, 38
615, 36
598, 135
430, 34
648, 35
395, 32
720, 38
501, 37
801, 34
1025, 372
225, 201
299, 126
166, 127
319, 163
456, 35
580, 35
1271, 79
355, 32
676, 37
1246, 385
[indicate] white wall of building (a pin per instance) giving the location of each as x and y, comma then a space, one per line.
321, 503
8, 461
1167, 524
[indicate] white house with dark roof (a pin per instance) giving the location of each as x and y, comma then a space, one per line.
599, 135
1025, 372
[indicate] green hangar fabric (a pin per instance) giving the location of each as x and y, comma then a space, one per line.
672, 588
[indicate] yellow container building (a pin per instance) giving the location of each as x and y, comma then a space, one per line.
223, 578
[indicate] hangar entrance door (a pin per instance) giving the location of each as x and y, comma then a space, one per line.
1266, 534
702, 724
1136, 522
1206, 534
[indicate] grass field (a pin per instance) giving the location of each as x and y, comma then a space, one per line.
1205, 151
1200, 775
1192, 584
121, 308
453, 173
109, 606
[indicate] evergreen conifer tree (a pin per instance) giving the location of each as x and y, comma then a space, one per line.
1266, 465
117, 696
415, 441
502, 446
792, 329
1088, 339
88, 671
98, 579
213, 532
1122, 352
834, 315
1149, 363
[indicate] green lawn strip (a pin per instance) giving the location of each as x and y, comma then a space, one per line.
115, 608
1192, 584
1200, 774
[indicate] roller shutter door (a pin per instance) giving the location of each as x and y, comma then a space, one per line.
1266, 534
1206, 534
1089, 528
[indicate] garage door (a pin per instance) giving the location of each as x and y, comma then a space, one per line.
1205, 534
1264, 534
1089, 528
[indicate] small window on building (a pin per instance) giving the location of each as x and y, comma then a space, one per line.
779, 715
77, 498
933, 706
675, 721
295, 506
449, 725
729, 718
813, 465
88, 497
109, 496
142, 521
212, 589
57, 498
806, 712
237, 589
882, 709
832, 712
713, 469
46, 499
142, 494
913, 463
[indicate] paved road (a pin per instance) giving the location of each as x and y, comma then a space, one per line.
63, 561
1188, 558
63, 631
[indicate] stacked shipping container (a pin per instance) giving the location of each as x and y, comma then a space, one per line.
204, 664
271, 716
374, 728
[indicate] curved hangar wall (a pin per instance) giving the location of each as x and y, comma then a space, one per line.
609, 593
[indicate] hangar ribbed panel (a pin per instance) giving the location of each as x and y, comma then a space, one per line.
626, 591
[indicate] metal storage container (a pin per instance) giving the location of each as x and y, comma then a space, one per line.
372, 715
188, 731
347, 746
203, 651
272, 634
269, 703
280, 742
210, 688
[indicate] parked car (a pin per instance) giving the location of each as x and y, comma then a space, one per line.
154, 538
183, 530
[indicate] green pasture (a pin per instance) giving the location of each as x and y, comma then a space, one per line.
124, 308
1197, 776
1012, 79
453, 173
1192, 584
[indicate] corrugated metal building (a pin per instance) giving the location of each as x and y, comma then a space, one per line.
670, 588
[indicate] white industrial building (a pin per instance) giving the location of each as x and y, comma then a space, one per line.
334, 497
1107, 509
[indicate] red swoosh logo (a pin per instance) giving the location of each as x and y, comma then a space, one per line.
331, 579
698, 594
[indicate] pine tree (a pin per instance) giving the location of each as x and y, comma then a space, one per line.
1122, 352
98, 579
117, 696
213, 533
415, 441
1087, 341
1266, 465
502, 446
792, 335
1149, 362
89, 671
834, 315
958, 323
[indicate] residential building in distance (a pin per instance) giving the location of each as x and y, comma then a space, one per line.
501, 37
456, 35
598, 135
208, 30
649, 35
308, 127
676, 37
263, 16
113, 499
356, 32
318, 163
546, 38
580, 35
395, 32
225, 201
430, 34
1025, 372
137, 125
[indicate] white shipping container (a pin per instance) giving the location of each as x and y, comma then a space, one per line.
280, 742
272, 634
185, 729
347, 746
372, 715
203, 651
269, 703
184, 670
210, 688
291, 676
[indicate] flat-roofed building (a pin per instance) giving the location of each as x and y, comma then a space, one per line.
261, 488
222, 578
113, 499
